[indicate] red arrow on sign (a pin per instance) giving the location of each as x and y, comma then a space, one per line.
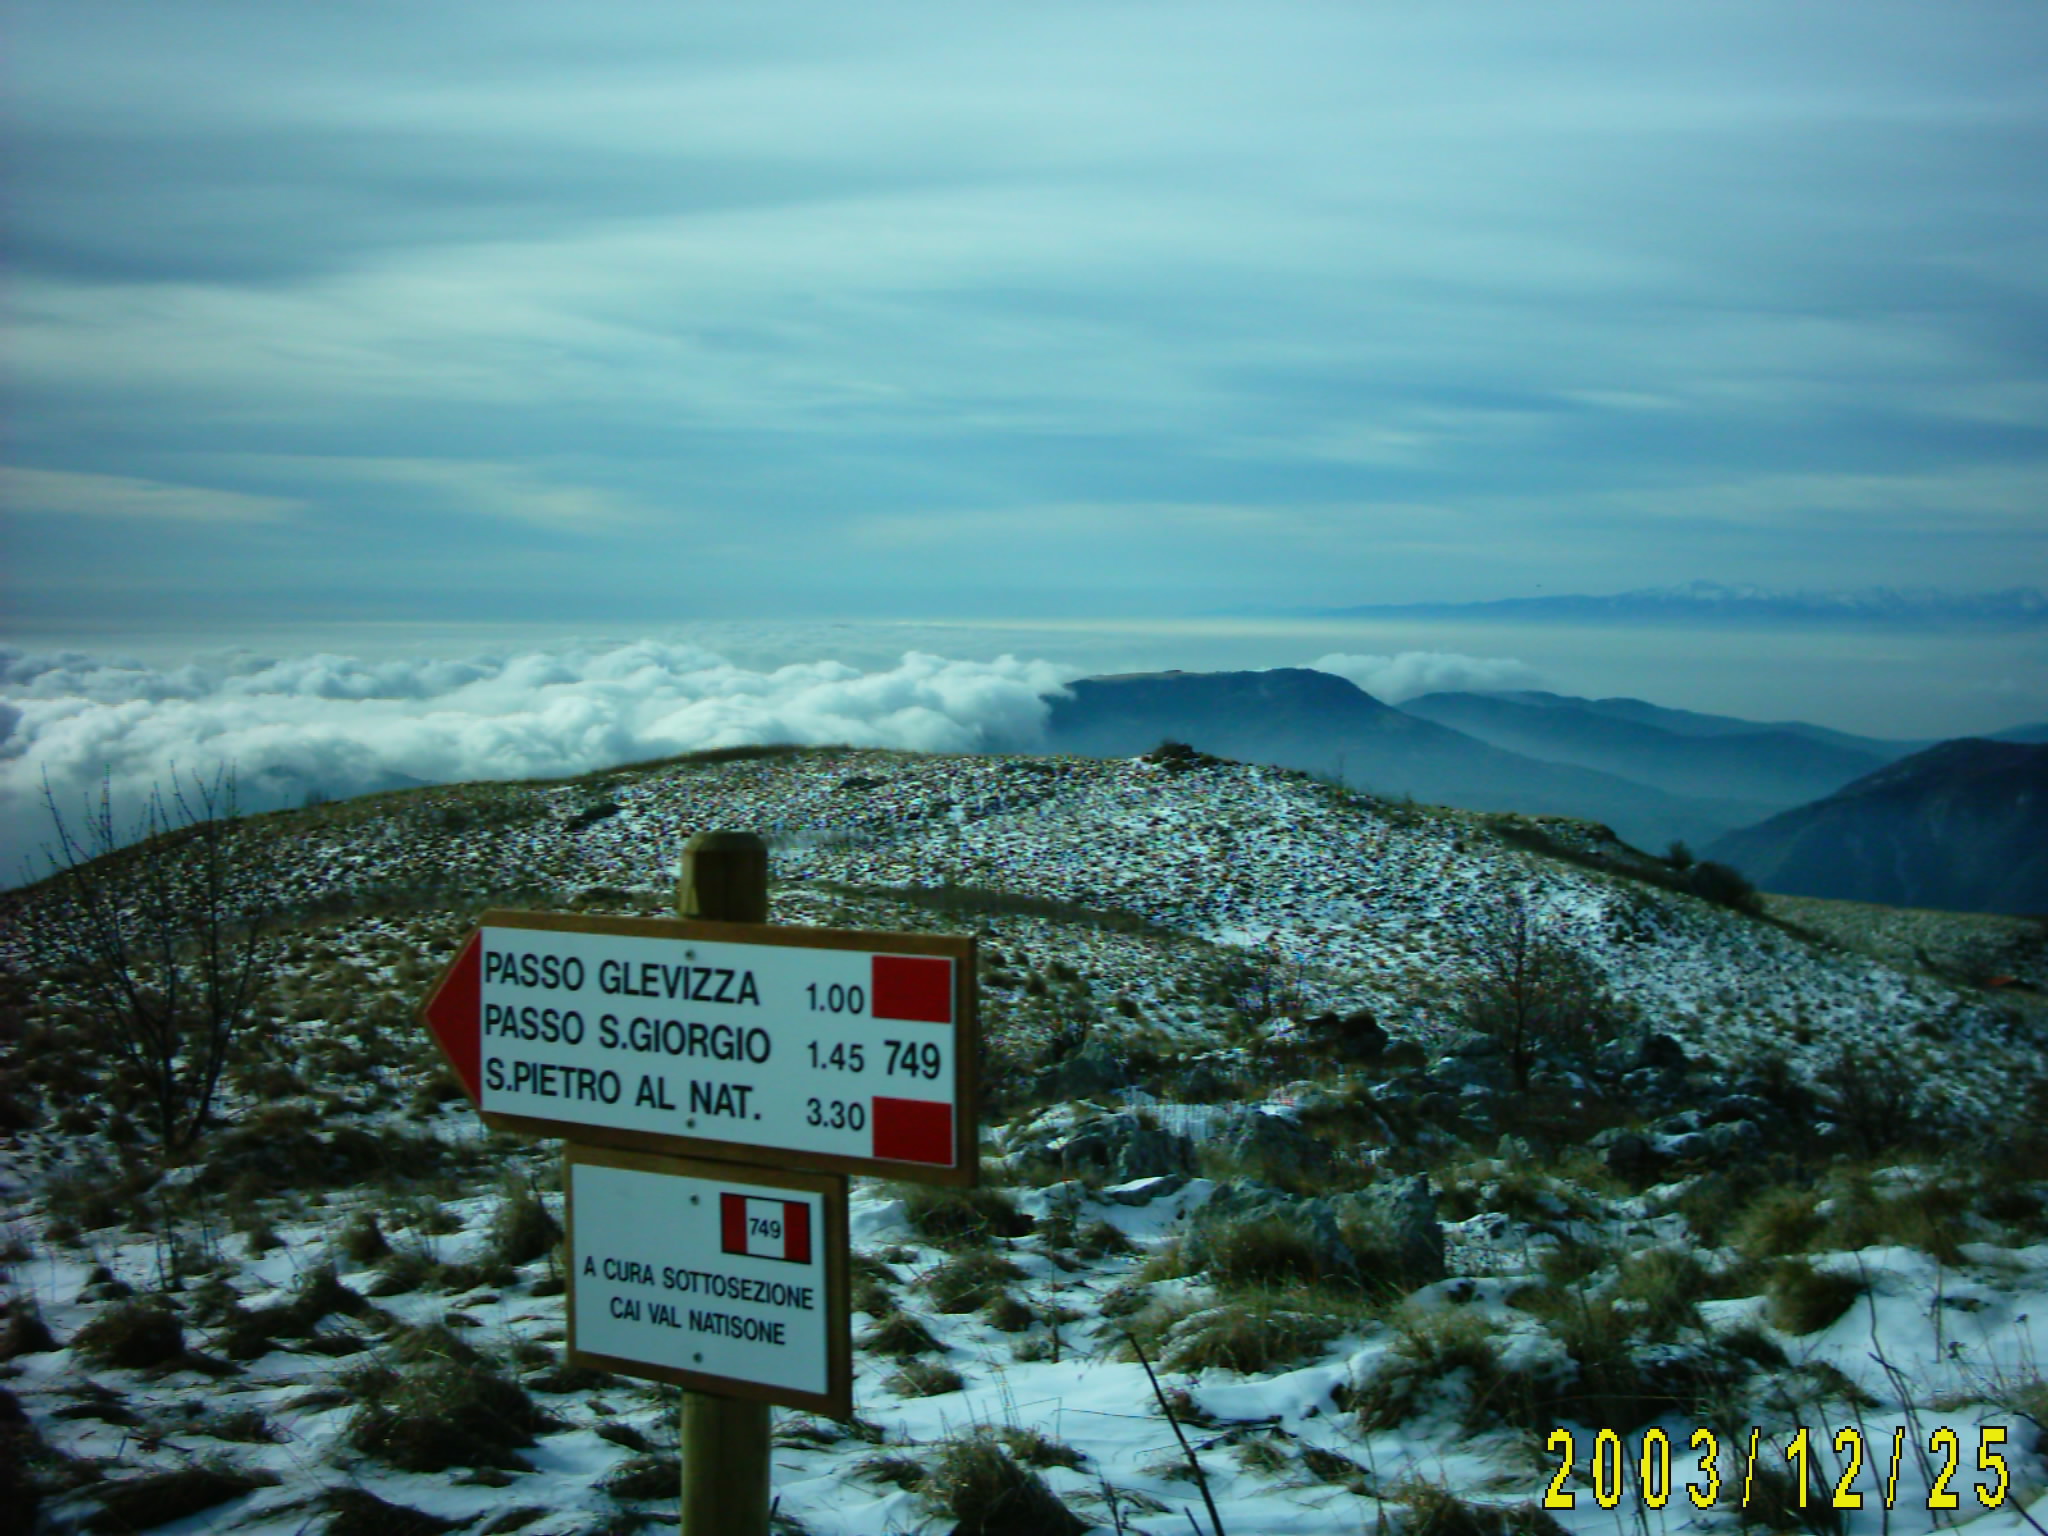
454, 1012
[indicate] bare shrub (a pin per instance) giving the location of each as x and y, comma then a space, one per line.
1533, 993
161, 937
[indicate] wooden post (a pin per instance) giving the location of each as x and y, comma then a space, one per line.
724, 1439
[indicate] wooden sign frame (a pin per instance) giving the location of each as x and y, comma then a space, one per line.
960, 949
837, 1399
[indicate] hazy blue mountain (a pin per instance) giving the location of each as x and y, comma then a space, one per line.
1962, 826
2022, 733
1298, 718
1759, 763
1706, 602
1688, 722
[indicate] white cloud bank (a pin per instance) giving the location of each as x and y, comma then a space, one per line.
342, 726
1412, 673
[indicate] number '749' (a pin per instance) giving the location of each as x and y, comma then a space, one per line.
912, 1058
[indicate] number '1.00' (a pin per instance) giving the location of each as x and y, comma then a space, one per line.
837, 998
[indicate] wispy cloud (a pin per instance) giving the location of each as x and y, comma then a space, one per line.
1411, 673
498, 489
66, 493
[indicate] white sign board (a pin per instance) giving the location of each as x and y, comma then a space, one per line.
719, 1277
760, 1042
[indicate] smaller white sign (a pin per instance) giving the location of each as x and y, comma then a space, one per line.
717, 1276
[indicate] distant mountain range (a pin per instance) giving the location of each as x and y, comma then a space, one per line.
1962, 826
1747, 790
1705, 756
1707, 602
1298, 718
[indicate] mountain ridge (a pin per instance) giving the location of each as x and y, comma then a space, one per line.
1962, 826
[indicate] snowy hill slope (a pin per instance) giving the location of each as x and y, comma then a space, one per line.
1702, 1223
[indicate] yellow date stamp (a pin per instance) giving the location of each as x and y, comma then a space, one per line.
1710, 1472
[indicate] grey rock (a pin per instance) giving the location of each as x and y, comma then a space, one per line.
1119, 1147
1734, 1139
1145, 1191
1093, 1071
1276, 1146
1459, 1072
1401, 1215
1515, 1149
1740, 1106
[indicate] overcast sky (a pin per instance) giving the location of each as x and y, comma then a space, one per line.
617, 311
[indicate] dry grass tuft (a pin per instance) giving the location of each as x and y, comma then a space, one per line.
978, 1485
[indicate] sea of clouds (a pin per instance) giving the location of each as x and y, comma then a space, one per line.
1408, 675
332, 726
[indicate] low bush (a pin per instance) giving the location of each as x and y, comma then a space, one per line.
250, 1332
950, 1216
1772, 1497
137, 1334
1101, 1237
1327, 1466
924, 1378
1803, 1299
157, 1498
1037, 1449
361, 1241
24, 1332
970, 1281
1265, 1251
1663, 1286
905, 1472
1448, 1352
1724, 885
898, 1333
522, 1228
982, 1489
443, 1414
652, 1476
1933, 1217
355, 1511
1251, 1334
1009, 1314
1780, 1222
1434, 1510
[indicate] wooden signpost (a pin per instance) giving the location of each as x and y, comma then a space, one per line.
716, 1078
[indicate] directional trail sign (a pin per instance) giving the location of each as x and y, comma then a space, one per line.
809, 1047
715, 1276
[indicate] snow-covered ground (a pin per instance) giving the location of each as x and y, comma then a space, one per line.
1124, 896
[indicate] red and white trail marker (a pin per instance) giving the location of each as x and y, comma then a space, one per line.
813, 1047
765, 1229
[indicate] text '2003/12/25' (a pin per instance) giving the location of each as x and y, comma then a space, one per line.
1712, 1472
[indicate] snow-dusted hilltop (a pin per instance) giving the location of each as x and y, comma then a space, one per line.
1416, 1149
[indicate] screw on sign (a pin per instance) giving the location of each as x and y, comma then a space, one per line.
806, 1047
